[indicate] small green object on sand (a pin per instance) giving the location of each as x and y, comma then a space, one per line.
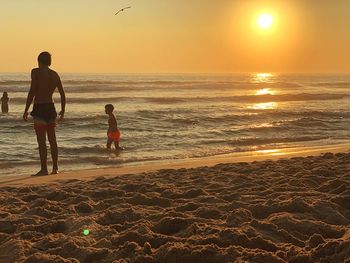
86, 232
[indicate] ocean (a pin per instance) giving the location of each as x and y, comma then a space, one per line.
174, 117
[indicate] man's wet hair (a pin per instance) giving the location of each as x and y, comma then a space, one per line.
109, 107
45, 58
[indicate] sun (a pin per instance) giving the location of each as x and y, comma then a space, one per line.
265, 21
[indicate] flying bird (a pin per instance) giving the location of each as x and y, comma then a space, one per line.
122, 10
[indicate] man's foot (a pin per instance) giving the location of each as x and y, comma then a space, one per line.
41, 173
54, 171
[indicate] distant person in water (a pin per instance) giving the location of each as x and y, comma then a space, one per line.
43, 84
113, 133
5, 103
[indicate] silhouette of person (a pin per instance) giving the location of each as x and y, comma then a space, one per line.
43, 84
113, 133
4, 103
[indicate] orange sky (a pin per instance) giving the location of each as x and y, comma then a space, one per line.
176, 36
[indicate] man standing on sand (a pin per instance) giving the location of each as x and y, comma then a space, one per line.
43, 84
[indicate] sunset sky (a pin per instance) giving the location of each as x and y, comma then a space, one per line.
176, 36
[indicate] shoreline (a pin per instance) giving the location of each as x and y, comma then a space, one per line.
152, 166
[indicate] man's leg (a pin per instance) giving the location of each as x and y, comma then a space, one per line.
41, 138
51, 135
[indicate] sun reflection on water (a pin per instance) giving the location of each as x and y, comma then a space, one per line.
264, 106
266, 91
262, 77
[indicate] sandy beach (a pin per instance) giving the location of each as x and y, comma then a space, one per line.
294, 209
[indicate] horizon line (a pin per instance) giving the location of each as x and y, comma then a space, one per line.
188, 73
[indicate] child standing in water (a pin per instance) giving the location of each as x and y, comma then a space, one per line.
4, 103
113, 133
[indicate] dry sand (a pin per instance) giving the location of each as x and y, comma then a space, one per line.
289, 210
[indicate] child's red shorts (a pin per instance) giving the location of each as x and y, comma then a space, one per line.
114, 135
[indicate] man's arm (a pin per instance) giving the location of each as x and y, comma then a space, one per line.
63, 97
31, 95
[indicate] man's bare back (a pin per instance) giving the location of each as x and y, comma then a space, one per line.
44, 82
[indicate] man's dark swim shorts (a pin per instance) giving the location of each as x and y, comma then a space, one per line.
44, 115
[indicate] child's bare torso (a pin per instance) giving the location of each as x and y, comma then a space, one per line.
112, 123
